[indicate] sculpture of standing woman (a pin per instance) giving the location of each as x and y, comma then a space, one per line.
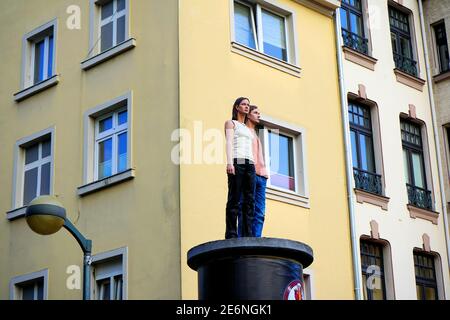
240, 170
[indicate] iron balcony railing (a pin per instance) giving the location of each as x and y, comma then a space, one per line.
356, 42
405, 64
367, 181
419, 197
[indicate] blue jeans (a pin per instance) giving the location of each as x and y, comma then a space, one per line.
260, 207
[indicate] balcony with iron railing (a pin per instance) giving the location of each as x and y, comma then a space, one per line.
367, 181
355, 41
419, 197
406, 64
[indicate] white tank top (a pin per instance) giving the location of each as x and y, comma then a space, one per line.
242, 142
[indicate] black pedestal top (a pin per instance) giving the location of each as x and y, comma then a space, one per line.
274, 247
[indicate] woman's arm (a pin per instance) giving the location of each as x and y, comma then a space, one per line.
229, 135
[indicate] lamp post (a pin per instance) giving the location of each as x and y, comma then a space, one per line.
45, 215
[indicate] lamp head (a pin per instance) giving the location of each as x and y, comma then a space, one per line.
45, 215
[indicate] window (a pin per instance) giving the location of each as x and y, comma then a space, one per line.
414, 166
107, 145
42, 58
282, 165
284, 149
37, 168
401, 41
442, 47
110, 288
353, 26
108, 275
372, 265
111, 144
32, 290
364, 170
29, 287
261, 29
112, 24
39, 47
308, 284
426, 284
109, 31
33, 163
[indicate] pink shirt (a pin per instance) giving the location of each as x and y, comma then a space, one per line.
260, 166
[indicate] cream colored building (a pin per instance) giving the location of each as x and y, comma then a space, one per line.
399, 221
89, 119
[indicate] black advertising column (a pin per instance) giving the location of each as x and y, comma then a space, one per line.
250, 269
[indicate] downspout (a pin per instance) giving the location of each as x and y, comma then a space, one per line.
435, 130
348, 159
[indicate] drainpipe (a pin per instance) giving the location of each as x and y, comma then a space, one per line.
435, 130
348, 159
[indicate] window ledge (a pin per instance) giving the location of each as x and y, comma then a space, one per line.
38, 87
105, 183
372, 198
265, 59
330, 4
359, 58
16, 213
441, 77
409, 80
287, 197
108, 54
429, 215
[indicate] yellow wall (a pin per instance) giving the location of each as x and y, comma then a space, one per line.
211, 77
141, 214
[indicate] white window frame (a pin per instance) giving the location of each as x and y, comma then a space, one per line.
294, 157
301, 194
91, 118
112, 133
121, 253
252, 16
282, 11
19, 164
28, 54
96, 24
37, 165
308, 284
15, 292
46, 40
115, 16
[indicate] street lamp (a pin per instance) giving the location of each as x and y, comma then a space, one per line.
45, 215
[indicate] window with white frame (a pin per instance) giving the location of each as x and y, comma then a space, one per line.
262, 29
30, 290
37, 170
282, 164
307, 286
33, 286
284, 154
108, 278
39, 55
113, 21
111, 143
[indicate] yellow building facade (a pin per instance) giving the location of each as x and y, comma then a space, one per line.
92, 94
299, 97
